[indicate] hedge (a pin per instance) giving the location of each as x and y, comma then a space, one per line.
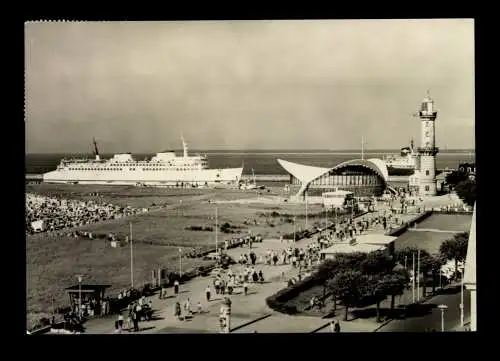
279, 301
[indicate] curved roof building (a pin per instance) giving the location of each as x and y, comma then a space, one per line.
363, 177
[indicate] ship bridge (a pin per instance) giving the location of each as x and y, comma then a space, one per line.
122, 157
163, 156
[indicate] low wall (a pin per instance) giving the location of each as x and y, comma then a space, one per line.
396, 232
46, 329
453, 212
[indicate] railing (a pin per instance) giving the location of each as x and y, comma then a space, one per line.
428, 149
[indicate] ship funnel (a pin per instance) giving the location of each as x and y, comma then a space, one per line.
96, 150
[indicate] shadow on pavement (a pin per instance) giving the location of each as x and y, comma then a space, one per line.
146, 328
418, 310
452, 290
371, 312
410, 311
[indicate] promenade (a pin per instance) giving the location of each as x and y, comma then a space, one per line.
248, 313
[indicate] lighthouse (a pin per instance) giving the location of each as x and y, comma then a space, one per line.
427, 150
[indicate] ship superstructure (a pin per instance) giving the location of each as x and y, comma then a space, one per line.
163, 169
403, 164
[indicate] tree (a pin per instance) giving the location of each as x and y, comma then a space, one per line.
436, 261
377, 263
348, 286
324, 273
405, 255
466, 191
455, 248
374, 287
456, 177
394, 284
330, 267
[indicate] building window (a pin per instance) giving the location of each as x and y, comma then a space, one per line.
426, 172
426, 188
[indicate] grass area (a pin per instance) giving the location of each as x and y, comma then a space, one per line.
447, 222
303, 300
429, 241
54, 260
137, 197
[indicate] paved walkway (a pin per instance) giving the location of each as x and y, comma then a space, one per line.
244, 308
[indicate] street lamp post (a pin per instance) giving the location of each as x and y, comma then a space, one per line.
413, 279
216, 231
80, 296
294, 229
131, 259
462, 298
442, 308
180, 262
306, 211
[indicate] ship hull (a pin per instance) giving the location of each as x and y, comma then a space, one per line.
396, 171
202, 177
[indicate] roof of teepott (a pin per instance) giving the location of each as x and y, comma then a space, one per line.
306, 173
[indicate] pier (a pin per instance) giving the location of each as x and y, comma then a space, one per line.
245, 177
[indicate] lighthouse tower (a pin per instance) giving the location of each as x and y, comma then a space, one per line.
427, 150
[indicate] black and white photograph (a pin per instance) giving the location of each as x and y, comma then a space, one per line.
250, 176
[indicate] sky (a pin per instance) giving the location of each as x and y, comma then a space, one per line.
236, 85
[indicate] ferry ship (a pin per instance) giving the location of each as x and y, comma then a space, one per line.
404, 164
163, 169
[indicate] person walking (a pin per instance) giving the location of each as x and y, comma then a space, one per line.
217, 286
135, 320
208, 293
177, 310
176, 287
120, 321
336, 328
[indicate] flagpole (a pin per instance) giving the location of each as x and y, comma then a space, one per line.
418, 276
294, 228
306, 209
413, 280
131, 258
216, 231
362, 148
326, 219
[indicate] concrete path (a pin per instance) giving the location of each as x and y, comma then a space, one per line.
245, 309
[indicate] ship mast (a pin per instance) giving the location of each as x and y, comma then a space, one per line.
362, 147
97, 157
184, 146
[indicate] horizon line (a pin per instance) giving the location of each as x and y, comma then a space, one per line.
261, 150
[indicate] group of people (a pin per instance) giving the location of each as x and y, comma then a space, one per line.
135, 310
226, 284
58, 213
92, 307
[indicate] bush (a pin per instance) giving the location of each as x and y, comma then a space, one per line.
199, 228
279, 301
